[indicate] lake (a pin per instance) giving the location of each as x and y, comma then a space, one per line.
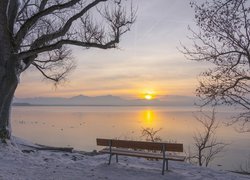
79, 126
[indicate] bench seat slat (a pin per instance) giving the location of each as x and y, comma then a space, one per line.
143, 154
140, 144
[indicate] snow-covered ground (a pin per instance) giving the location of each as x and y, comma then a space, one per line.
47, 165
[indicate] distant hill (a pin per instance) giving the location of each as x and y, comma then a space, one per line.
21, 104
108, 100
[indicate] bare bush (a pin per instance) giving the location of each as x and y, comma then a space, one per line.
151, 135
206, 146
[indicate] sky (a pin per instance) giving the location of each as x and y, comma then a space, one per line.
147, 60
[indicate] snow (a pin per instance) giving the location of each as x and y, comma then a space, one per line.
39, 165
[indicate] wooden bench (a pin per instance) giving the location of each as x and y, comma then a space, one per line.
137, 149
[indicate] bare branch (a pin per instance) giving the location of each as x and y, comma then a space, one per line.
49, 37
110, 44
55, 65
13, 6
31, 21
223, 40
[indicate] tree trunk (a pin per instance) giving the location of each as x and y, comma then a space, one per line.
8, 84
9, 72
200, 158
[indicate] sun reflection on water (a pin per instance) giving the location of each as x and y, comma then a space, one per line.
148, 117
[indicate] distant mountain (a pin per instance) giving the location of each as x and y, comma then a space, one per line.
170, 100
21, 104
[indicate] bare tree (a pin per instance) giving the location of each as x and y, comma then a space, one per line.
206, 147
151, 135
223, 39
39, 33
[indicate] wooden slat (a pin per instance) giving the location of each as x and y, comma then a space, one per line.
140, 145
143, 154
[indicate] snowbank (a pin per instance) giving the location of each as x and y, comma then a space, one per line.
40, 165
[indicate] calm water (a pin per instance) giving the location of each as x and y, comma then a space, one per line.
78, 127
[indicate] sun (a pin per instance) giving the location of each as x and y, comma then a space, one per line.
148, 96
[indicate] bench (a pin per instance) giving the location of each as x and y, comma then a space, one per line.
155, 150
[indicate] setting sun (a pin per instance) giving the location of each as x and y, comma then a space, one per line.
148, 96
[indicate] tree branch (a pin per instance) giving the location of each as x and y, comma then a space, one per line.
12, 13
57, 45
49, 37
31, 21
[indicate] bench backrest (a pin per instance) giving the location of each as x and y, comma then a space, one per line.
140, 145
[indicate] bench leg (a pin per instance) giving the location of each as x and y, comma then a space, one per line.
166, 165
116, 158
110, 156
163, 167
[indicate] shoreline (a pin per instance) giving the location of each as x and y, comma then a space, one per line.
16, 164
